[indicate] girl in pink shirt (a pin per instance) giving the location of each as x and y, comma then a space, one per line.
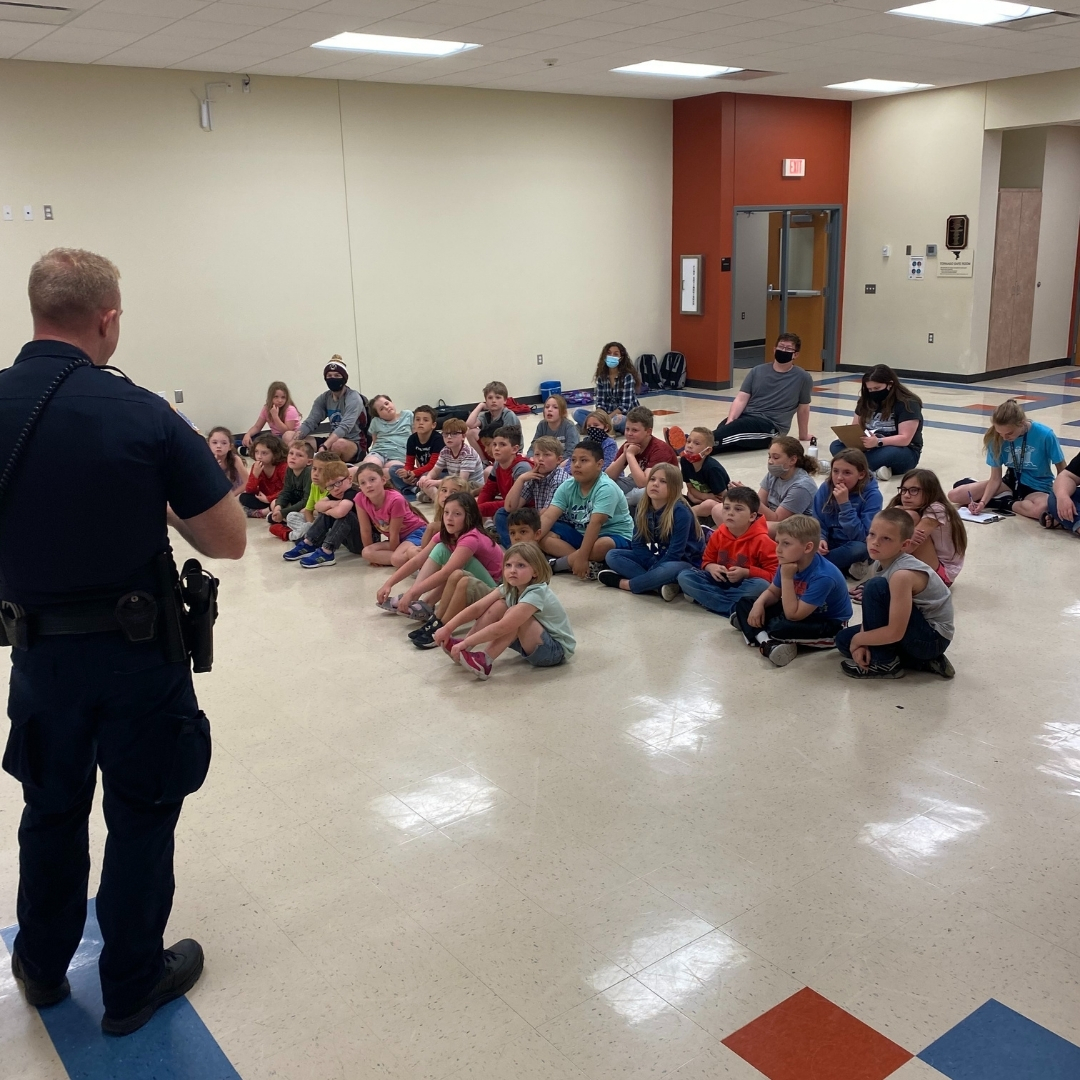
279, 414
382, 510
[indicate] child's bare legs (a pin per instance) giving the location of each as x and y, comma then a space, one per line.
428, 487
1032, 506
379, 554
426, 571
403, 553
457, 585
499, 645
707, 509
603, 545
977, 492
556, 546
717, 513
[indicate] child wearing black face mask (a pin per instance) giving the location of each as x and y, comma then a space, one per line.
891, 416
346, 411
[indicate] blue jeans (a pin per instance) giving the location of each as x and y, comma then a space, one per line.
642, 569
921, 642
898, 458
816, 631
844, 555
716, 596
408, 490
581, 415
501, 527
1052, 508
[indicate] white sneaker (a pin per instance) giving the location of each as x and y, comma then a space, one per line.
670, 590
783, 653
884, 473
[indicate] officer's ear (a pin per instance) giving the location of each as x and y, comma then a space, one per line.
108, 321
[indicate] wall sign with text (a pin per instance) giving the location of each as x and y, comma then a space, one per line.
794, 167
956, 232
691, 268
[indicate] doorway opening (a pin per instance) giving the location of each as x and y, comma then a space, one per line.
786, 263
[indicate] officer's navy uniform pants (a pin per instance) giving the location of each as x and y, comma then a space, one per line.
77, 704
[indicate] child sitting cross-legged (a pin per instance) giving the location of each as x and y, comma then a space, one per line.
522, 614
491, 412
421, 452
706, 479
390, 429
807, 603
294, 494
588, 515
299, 521
845, 504
907, 609
509, 465
667, 539
382, 510
267, 476
534, 487
739, 560
787, 487
461, 544
335, 522
456, 458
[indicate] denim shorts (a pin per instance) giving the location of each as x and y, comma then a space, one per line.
415, 536
549, 653
565, 531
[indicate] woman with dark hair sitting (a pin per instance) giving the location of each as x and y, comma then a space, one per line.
617, 384
892, 417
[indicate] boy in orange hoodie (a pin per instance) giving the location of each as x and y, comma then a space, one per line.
739, 559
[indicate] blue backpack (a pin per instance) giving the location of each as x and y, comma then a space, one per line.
649, 370
673, 371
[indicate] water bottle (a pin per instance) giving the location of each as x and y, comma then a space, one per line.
811, 450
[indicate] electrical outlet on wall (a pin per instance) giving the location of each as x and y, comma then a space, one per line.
929, 339
539, 357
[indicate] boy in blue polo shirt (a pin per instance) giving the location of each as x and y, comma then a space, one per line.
807, 603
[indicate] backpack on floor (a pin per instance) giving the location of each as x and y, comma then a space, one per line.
649, 370
673, 371
517, 407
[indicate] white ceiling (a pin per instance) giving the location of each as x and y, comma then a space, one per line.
809, 43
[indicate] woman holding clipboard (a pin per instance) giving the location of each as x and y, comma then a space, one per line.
887, 426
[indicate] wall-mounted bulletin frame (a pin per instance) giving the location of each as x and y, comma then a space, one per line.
691, 276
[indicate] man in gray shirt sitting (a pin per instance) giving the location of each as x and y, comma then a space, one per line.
344, 408
771, 394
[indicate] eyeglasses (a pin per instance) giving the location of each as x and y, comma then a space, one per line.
910, 490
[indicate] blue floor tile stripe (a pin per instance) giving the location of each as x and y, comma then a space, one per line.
175, 1045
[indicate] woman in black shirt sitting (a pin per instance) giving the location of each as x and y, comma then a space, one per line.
892, 416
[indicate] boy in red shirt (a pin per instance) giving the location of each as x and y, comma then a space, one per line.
739, 559
267, 476
509, 465
638, 454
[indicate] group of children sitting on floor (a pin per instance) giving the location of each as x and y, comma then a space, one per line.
642, 518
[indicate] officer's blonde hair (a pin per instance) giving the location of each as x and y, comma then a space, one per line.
69, 287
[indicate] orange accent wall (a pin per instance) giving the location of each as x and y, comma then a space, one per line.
727, 151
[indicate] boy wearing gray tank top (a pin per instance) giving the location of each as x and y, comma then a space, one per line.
906, 607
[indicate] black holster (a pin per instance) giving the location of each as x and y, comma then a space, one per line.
198, 594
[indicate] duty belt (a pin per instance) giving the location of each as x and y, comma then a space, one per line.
134, 614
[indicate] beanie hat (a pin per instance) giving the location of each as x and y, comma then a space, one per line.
336, 362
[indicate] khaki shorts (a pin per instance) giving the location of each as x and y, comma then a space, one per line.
475, 589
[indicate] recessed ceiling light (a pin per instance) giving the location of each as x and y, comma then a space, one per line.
673, 68
971, 12
879, 86
404, 46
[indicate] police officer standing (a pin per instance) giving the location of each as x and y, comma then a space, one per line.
97, 679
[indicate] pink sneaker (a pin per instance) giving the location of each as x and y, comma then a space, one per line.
451, 642
479, 663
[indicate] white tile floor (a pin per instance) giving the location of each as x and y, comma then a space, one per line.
602, 870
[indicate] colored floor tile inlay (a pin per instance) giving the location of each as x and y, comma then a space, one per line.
807, 1037
996, 1043
175, 1045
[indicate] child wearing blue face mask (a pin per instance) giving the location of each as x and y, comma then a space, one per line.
617, 384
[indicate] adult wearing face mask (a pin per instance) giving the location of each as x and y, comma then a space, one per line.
617, 384
891, 416
345, 408
771, 394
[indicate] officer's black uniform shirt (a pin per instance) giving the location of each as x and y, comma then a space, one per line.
85, 514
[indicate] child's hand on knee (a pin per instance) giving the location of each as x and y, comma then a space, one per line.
756, 618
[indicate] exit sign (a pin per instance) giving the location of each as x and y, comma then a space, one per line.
794, 166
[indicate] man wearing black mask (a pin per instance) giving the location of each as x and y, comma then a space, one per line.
344, 408
771, 394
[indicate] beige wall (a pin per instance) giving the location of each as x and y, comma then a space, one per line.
435, 237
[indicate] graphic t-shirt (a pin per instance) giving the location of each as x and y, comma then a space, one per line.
550, 614
822, 585
884, 426
605, 497
711, 479
394, 505
422, 453
1041, 450
795, 495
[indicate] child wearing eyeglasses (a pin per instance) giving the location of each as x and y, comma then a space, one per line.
335, 522
940, 538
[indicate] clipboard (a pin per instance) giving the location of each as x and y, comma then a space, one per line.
851, 435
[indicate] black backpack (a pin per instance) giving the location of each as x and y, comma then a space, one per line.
649, 370
673, 371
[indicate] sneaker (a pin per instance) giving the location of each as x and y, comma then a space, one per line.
675, 437
670, 591
183, 966
450, 643
964, 480
479, 663
317, 558
884, 473
780, 653
609, 578
940, 666
892, 670
860, 571
432, 624
301, 549
390, 603
256, 513
595, 570
280, 530
37, 993
734, 620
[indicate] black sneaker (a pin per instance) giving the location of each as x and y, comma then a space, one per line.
892, 670
431, 625
609, 578
183, 966
38, 994
940, 666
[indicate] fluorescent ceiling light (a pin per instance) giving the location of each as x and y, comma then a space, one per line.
403, 46
674, 69
879, 86
971, 12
